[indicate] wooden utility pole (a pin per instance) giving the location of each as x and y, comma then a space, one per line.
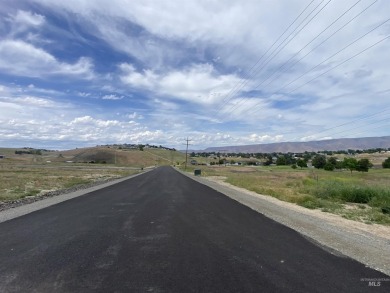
172, 157
187, 140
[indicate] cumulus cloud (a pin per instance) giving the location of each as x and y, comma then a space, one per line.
258, 138
198, 83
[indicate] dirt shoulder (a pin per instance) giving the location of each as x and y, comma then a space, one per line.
368, 244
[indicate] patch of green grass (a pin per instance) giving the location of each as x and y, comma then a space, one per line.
312, 202
76, 181
316, 189
375, 196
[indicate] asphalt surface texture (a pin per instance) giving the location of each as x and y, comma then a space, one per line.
164, 232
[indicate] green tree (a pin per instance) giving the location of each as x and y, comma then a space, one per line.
307, 157
333, 161
301, 163
339, 165
386, 163
350, 164
329, 166
281, 161
319, 161
363, 165
141, 147
268, 161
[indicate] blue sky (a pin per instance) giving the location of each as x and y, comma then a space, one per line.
83, 73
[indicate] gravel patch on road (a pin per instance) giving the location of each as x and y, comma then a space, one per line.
368, 244
13, 209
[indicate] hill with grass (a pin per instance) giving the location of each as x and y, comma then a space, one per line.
99, 155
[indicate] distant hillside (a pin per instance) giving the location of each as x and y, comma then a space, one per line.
130, 157
101, 155
310, 146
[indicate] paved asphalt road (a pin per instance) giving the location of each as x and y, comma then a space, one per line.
163, 232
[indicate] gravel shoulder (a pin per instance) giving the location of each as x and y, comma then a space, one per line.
368, 244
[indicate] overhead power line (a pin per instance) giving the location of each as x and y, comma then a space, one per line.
252, 70
320, 44
350, 122
339, 51
384, 126
327, 59
242, 99
338, 65
375, 122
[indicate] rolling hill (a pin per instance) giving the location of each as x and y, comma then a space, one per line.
103, 154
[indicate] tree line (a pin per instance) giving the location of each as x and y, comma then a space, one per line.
320, 160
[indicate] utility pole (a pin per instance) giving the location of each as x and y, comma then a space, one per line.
187, 140
172, 157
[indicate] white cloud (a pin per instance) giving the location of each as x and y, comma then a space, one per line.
135, 116
198, 83
31, 101
83, 94
201, 140
30, 120
258, 138
112, 97
88, 120
23, 59
28, 18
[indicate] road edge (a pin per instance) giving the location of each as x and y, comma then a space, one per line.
25, 209
373, 253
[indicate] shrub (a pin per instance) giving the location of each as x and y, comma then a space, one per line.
386, 163
332, 160
319, 161
363, 165
374, 196
301, 163
329, 166
281, 161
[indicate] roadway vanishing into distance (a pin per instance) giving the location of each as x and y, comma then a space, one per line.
163, 232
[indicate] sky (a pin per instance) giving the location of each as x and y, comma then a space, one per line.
81, 73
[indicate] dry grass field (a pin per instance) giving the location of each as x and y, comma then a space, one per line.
357, 196
29, 175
